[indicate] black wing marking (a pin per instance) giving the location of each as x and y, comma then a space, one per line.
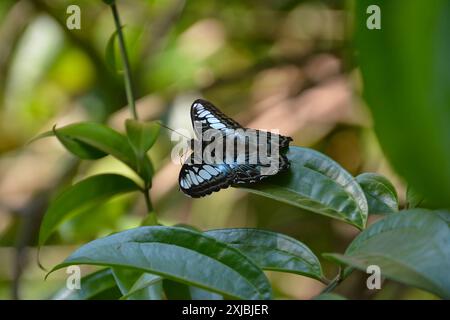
251, 173
198, 180
210, 117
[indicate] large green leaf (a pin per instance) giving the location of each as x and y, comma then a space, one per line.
82, 195
380, 193
272, 251
404, 67
180, 291
316, 183
91, 140
95, 286
412, 247
138, 285
178, 254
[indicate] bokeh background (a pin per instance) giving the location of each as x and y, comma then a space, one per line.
270, 64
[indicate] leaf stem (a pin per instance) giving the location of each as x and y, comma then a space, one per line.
148, 202
342, 274
126, 64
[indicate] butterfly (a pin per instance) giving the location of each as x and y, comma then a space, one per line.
199, 177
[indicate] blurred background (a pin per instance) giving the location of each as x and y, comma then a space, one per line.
285, 64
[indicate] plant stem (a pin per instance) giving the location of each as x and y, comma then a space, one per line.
148, 202
129, 87
126, 64
336, 281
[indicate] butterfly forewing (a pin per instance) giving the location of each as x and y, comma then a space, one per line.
205, 116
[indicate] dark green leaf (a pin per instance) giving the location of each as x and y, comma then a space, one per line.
405, 72
272, 251
95, 286
176, 290
180, 291
380, 193
181, 255
81, 195
138, 285
412, 247
316, 183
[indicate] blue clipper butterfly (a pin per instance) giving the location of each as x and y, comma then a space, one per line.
200, 178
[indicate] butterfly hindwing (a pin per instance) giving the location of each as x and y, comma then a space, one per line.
200, 179
251, 173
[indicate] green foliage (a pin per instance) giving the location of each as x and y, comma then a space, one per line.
172, 253
141, 136
156, 261
405, 74
81, 195
411, 247
95, 286
272, 251
94, 138
329, 296
380, 193
318, 184
110, 53
136, 285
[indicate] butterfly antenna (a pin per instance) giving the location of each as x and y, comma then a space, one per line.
182, 157
166, 127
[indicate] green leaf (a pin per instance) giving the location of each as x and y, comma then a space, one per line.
110, 53
416, 200
272, 251
180, 255
95, 286
82, 195
380, 193
142, 135
176, 290
201, 294
316, 183
329, 296
405, 72
412, 247
105, 141
79, 148
137, 285
180, 291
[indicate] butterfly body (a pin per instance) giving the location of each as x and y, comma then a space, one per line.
200, 176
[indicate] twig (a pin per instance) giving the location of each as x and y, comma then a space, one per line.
126, 63
342, 274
